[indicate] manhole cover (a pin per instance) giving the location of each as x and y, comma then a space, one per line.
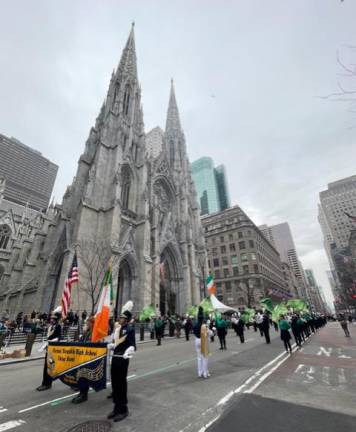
92, 426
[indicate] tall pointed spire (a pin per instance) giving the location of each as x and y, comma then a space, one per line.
173, 121
128, 61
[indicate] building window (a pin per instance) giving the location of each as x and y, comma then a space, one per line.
244, 257
218, 288
5, 235
226, 272
251, 243
225, 262
228, 288
242, 245
222, 239
215, 251
232, 247
209, 263
239, 234
213, 240
216, 262
231, 237
253, 256
233, 259
255, 268
235, 271
223, 249
245, 269
217, 274
125, 187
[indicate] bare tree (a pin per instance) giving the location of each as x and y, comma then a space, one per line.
94, 257
346, 86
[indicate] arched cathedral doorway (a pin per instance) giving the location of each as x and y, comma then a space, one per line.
169, 299
124, 286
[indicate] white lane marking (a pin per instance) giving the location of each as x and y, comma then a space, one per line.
11, 424
310, 375
204, 428
324, 351
58, 399
2, 409
325, 375
266, 375
225, 399
299, 368
342, 378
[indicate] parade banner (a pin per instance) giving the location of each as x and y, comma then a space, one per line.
78, 364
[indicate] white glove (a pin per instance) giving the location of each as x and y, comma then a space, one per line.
54, 340
128, 353
42, 347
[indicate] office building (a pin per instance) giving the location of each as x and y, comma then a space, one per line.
28, 176
211, 185
245, 265
280, 236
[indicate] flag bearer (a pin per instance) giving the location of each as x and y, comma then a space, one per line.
124, 347
53, 335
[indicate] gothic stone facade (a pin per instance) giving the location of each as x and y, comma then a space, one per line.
143, 204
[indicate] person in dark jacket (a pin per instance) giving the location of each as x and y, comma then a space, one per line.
124, 347
188, 327
158, 325
265, 327
53, 335
240, 328
285, 335
295, 330
221, 325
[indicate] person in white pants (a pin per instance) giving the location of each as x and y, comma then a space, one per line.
201, 343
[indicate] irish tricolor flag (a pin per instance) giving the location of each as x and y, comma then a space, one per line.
101, 324
210, 284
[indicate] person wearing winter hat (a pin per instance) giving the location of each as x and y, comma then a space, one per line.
53, 335
124, 346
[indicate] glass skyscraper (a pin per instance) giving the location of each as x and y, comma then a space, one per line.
211, 185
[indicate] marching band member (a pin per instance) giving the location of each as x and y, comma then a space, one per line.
53, 335
124, 346
86, 338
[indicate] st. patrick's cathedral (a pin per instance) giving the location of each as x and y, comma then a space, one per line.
133, 191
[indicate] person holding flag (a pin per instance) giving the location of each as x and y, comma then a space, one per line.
54, 330
124, 346
53, 335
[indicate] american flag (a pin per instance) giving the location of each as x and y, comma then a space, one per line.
73, 278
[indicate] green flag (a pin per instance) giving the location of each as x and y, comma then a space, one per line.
192, 311
267, 304
247, 315
147, 312
297, 305
278, 310
207, 306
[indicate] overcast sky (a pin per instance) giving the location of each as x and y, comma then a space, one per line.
248, 76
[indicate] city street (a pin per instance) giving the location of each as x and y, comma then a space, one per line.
250, 385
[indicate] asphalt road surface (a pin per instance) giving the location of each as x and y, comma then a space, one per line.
250, 383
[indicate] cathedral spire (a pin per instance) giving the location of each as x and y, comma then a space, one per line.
128, 61
173, 121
